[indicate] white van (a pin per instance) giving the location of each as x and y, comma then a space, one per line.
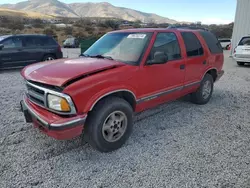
242, 51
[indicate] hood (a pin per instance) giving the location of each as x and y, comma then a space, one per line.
59, 72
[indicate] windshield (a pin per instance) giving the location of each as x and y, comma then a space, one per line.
124, 47
2, 38
245, 41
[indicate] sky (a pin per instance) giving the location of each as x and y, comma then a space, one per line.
206, 11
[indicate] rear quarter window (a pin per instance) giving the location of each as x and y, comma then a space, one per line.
212, 42
48, 41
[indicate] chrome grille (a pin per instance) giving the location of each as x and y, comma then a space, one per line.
36, 95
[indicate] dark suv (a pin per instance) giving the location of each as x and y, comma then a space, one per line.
21, 50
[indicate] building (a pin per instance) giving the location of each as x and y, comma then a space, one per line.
241, 22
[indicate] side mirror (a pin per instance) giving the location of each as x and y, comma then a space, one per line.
1, 46
159, 58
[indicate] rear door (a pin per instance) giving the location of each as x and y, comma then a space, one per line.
50, 46
33, 47
195, 58
12, 54
243, 48
216, 57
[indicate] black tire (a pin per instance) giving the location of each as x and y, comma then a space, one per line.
49, 57
197, 97
93, 131
240, 63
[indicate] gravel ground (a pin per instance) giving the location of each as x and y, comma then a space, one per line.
175, 145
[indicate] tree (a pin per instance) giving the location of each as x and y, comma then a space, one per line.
49, 31
38, 23
112, 24
68, 30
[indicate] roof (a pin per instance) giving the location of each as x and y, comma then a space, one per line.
153, 30
5, 36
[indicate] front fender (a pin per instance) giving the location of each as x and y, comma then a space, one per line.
104, 93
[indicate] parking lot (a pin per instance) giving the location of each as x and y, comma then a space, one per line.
175, 145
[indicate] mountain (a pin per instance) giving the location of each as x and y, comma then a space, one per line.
51, 7
19, 13
57, 8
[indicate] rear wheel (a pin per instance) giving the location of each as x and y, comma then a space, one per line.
109, 125
48, 58
240, 63
204, 93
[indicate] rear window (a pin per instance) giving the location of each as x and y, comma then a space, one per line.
245, 41
212, 42
192, 43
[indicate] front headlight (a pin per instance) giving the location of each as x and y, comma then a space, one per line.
58, 103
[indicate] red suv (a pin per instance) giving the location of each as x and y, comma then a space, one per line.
123, 72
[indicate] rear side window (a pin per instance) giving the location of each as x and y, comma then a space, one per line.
192, 43
245, 41
212, 42
30, 41
38, 41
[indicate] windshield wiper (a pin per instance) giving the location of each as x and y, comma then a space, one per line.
102, 57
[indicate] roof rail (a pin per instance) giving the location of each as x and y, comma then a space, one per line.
186, 27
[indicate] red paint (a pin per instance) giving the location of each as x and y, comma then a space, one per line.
63, 70
65, 134
141, 80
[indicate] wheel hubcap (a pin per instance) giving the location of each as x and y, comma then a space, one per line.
49, 58
114, 126
206, 90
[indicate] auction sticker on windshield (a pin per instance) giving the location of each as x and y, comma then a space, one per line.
136, 36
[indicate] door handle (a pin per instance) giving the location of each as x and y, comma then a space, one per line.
182, 67
204, 62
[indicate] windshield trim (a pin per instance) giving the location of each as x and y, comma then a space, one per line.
134, 63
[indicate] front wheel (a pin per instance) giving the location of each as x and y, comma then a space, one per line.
204, 93
109, 125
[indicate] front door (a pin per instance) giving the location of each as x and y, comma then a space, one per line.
162, 81
12, 53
